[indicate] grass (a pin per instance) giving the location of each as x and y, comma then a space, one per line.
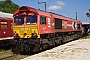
85, 37
4, 50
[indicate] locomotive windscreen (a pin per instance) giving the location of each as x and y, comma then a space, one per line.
18, 20
58, 23
31, 19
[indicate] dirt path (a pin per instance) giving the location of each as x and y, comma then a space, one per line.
8, 55
75, 50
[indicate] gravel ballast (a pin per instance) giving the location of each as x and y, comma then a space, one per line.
75, 50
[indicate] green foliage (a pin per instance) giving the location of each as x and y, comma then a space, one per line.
85, 37
8, 6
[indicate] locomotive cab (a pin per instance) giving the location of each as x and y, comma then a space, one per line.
25, 23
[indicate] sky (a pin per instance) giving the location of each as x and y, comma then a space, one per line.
66, 8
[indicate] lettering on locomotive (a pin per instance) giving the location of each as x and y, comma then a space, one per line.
24, 29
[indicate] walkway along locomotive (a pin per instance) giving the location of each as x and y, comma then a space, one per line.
6, 32
36, 30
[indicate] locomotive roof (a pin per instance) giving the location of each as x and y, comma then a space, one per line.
38, 10
54, 14
6, 15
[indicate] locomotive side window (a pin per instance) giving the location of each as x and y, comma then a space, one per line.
58, 23
18, 20
42, 20
78, 26
4, 25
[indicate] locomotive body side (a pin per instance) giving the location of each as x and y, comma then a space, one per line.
66, 28
68, 24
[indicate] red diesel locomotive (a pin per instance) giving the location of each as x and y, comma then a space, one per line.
6, 33
36, 30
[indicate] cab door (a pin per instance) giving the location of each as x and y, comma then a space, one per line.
45, 25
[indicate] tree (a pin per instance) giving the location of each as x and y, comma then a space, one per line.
88, 13
8, 6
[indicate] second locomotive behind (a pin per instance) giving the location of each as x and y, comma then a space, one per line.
36, 30
6, 32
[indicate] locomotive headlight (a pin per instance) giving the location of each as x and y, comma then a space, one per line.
16, 34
